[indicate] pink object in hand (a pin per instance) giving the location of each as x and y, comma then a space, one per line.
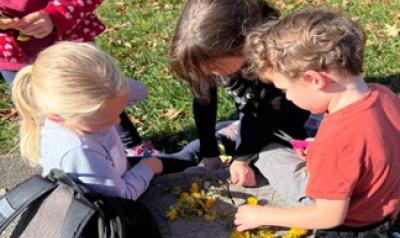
296, 144
299, 144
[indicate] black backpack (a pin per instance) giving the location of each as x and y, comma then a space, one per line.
58, 207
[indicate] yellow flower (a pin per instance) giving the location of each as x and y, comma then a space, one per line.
210, 202
172, 214
21, 37
247, 234
252, 201
211, 216
225, 158
194, 188
295, 233
184, 197
236, 234
265, 234
196, 195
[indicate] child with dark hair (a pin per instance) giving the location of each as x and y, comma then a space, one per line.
316, 57
207, 53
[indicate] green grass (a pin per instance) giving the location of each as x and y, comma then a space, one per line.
139, 35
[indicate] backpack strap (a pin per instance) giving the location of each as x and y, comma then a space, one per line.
17, 199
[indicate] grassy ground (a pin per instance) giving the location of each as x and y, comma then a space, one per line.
138, 37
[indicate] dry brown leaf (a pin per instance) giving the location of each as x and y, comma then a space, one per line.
366, 4
134, 120
140, 71
370, 26
115, 27
396, 17
167, 7
121, 11
9, 114
392, 31
318, 2
128, 45
171, 113
280, 4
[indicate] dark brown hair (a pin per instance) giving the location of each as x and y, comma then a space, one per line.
208, 29
310, 39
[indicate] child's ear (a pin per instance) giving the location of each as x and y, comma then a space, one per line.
55, 118
316, 79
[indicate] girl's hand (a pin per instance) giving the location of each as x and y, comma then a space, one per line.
154, 164
36, 24
248, 217
242, 174
9, 23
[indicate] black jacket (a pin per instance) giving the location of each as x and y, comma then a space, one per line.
263, 110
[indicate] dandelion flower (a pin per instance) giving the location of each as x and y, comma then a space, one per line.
194, 188
172, 214
252, 201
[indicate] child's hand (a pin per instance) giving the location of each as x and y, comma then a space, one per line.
248, 217
154, 164
36, 24
303, 152
242, 174
9, 23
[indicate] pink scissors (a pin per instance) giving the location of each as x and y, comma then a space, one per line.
296, 144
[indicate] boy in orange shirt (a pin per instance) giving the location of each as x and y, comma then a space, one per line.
315, 56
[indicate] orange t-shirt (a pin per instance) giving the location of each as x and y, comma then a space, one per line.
356, 154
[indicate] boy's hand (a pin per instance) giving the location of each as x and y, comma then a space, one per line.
248, 217
9, 23
36, 24
154, 164
303, 152
242, 174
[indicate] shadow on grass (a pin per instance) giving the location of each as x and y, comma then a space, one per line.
174, 142
392, 81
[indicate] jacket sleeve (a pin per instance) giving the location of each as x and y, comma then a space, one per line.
269, 112
205, 116
67, 14
97, 172
248, 140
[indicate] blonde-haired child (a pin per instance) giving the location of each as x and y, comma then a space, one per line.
316, 57
69, 101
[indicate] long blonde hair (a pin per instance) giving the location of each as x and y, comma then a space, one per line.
71, 80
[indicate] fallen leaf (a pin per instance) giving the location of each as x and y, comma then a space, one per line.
280, 4
115, 27
10, 114
128, 44
396, 16
392, 31
134, 120
172, 113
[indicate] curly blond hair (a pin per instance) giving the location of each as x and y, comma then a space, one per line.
310, 39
